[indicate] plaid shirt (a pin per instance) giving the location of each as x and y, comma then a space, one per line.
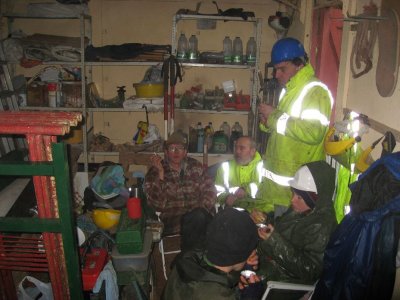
179, 192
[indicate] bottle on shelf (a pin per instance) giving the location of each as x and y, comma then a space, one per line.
251, 51
225, 128
209, 133
237, 132
182, 49
237, 50
200, 137
52, 94
193, 49
227, 47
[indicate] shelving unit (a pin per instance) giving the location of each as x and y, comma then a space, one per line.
85, 32
253, 69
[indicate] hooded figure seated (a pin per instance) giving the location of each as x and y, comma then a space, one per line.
292, 249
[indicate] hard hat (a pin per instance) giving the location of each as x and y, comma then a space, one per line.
286, 49
106, 218
303, 180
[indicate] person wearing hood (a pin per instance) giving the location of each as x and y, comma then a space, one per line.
214, 273
237, 180
292, 249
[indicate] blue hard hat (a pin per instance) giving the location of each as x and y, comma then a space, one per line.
286, 49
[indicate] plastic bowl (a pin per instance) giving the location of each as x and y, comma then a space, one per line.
149, 90
106, 218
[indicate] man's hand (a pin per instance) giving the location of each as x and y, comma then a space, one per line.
155, 161
265, 110
258, 216
253, 260
265, 232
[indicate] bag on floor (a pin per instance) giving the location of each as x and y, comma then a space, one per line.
39, 290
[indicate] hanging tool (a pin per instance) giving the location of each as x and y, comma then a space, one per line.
388, 143
342, 136
171, 71
361, 163
143, 129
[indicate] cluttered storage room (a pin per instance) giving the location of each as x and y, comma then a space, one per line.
185, 149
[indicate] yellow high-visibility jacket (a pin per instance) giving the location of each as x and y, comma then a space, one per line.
297, 129
231, 176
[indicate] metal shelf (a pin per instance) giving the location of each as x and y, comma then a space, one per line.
230, 66
214, 17
45, 108
53, 17
204, 111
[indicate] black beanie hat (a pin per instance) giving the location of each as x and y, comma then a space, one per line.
231, 237
309, 197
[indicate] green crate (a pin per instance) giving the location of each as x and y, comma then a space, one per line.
130, 233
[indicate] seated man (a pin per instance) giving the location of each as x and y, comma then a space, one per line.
293, 248
237, 180
214, 273
177, 184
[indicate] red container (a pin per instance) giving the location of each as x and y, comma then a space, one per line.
94, 264
134, 208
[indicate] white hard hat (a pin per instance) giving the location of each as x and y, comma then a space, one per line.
303, 180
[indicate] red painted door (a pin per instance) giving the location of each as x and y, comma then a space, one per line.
326, 41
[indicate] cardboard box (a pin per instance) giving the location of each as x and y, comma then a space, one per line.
37, 94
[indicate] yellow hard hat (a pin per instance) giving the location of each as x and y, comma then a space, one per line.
106, 218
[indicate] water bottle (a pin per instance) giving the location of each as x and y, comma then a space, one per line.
182, 47
225, 128
200, 137
237, 51
237, 132
193, 51
227, 47
251, 51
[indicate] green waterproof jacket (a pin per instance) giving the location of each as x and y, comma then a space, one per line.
192, 278
297, 130
231, 176
295, 249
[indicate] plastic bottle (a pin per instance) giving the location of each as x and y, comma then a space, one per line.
225, 128
209, 133
227, 47
237, 132
237, 51
52, 94
193, 49
182, 47
200, 137
251, 51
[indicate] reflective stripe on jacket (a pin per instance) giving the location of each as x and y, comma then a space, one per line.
231, 176
297, 129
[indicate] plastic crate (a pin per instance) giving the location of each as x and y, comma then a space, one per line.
130, 234
133, 262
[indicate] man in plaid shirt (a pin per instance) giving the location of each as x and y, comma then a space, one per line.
177, 184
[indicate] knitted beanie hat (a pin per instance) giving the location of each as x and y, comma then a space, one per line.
231, 237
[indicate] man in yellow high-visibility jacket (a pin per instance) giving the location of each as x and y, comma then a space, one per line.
237, 180
297, 126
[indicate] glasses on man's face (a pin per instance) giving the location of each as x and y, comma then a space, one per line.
176, 149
